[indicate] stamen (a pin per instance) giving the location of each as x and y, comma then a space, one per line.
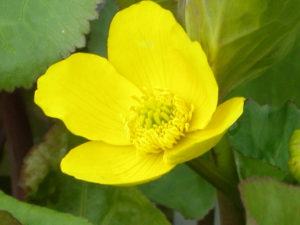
158, 121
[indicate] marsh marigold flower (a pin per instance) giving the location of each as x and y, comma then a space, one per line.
149, 107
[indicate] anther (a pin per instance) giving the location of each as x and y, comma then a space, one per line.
158, 121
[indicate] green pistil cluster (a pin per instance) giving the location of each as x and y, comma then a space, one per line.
158, 121
154, 114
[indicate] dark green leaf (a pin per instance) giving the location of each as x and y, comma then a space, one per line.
276, 85
269, 202
35, 34
126, 3
168, 4
35, 215
263, 132
7, 219
242, 38
183, 190
102, 205
97, 39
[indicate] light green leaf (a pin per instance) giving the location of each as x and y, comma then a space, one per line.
183, 190
263, 132
7, 219
269, 202
242, 38
34, 215
35, 34
278, 84
102, 205
248, 167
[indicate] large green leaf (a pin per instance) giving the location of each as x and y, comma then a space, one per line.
35, 215
183, 190
278, 84
269, 202
242, 37
34, 34
263, 132
102, 205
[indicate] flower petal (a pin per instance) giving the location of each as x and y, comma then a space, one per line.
148, 46
199, 142
87, 93
115, 165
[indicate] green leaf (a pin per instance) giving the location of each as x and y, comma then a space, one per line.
7, 219
269, 202
242, 38
131, 207
278, 84
97, 39
34, 215
35, 34
183, 190
249, 167
102, 205
263, 132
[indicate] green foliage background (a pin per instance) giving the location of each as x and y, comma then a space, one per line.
253, 47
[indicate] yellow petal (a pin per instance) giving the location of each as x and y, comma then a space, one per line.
87, 93
115, 165
148, 46
199, 142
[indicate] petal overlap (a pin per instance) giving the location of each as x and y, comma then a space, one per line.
199, 142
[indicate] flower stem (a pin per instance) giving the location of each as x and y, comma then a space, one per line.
17, 133
208, 170
220, 171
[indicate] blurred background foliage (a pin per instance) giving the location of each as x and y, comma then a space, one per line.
253, 47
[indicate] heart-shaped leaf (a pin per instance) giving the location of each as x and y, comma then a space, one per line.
264, 132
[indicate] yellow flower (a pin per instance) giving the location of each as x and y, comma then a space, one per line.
149, 107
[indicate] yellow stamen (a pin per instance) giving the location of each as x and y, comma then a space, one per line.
158, 121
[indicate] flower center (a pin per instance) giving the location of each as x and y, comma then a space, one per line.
158, 121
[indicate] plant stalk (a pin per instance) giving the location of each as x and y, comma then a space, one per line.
220, 171
17, 134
